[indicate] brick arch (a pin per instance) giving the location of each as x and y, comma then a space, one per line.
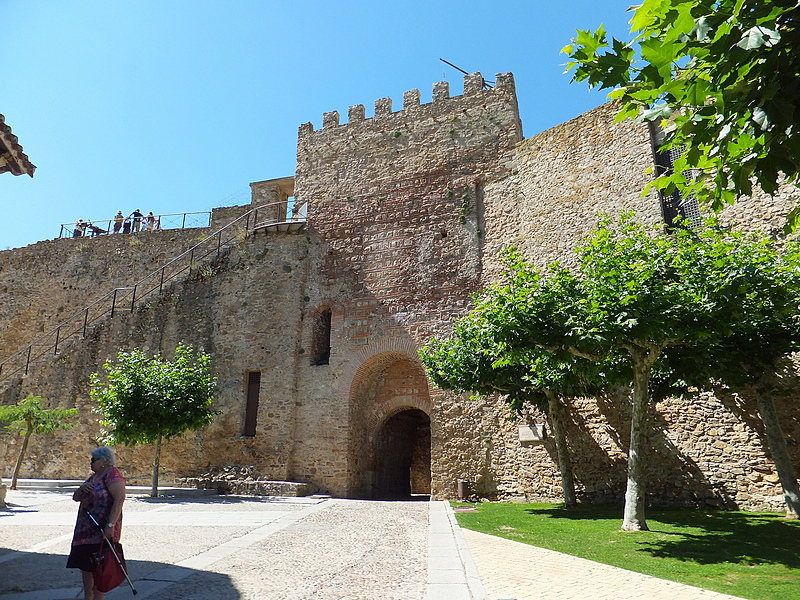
381, 381
378, 362
364, 362
386, 410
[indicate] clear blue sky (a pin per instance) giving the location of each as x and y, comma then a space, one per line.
176, 106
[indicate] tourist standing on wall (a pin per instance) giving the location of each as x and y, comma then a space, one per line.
80, 227
101, 496
137, 220
126, 224
149, 221
118, 219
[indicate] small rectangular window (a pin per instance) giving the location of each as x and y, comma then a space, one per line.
321, 338
251, 409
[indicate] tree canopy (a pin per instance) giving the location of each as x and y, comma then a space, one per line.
756, 355
722, 80
29, 416
150, 399
664, 301
473, 359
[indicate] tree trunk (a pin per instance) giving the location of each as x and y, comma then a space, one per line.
555, 410
156, 461
633, 515
778, 449
18, 466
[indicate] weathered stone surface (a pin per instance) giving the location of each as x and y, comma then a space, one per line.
407, 214
247, 481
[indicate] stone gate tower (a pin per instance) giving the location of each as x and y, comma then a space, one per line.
395, 205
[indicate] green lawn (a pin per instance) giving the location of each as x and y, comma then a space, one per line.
751, 555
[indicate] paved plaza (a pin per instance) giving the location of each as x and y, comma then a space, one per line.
317, 548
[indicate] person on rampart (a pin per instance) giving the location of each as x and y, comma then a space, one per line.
100, 496
126, 224
95, 229
149, 222
118, 219
137, 220
80, 228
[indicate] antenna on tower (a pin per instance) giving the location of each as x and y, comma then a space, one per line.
487, 85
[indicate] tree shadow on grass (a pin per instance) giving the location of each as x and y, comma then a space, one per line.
723, 537
727, 537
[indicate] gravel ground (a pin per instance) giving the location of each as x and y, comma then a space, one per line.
229, 548
351, 550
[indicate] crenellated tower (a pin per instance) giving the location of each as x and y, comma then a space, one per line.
397, 198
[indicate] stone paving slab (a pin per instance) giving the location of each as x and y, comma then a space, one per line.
315, 548
228, 548
516, 571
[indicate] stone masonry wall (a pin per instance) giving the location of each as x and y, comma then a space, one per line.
42, 284
407, 213
396, 203
246, 312
706, 450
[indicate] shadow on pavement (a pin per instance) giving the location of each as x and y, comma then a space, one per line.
34, 572
221, 499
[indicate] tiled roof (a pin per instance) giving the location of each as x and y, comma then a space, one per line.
12, 158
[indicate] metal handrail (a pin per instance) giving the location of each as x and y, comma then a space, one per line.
126, 298
68, 229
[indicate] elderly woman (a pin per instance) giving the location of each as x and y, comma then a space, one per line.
101, 495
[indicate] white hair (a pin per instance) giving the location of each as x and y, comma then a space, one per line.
105, 453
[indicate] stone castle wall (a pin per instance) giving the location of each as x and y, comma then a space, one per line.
706, 450
407, 213
396, 203
228, 310
45, 283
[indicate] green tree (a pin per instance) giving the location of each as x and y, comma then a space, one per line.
637, 293
755, 358
147, 400
474, 360
721, 79
29, 416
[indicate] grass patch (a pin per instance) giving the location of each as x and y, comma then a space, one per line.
751, 555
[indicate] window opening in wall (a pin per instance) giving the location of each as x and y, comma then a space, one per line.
251, 408
321, 342
673, 205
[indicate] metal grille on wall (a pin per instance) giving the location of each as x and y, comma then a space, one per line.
674, 205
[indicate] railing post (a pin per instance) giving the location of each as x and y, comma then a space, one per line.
85, 321
55, 346
191, 261
113, 302
219, 242
133, 298
161, 283
28, 359
183, 225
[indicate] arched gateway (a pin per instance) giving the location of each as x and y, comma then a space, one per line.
389, 454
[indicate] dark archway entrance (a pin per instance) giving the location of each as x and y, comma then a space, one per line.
402, 456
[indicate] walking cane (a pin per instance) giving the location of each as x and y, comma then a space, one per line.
114, 552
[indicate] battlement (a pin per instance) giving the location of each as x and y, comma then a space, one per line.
442, 102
